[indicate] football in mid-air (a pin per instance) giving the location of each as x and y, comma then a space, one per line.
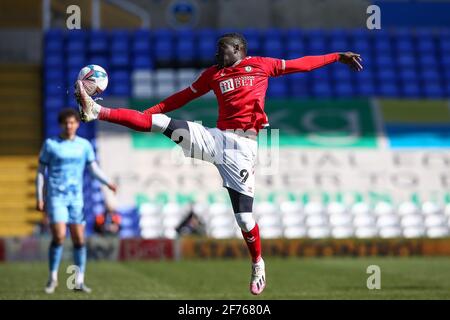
94, 79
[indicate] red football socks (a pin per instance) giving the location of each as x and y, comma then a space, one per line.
129, 118
253, 243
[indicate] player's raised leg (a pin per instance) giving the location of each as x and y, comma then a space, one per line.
242, 207
54, 254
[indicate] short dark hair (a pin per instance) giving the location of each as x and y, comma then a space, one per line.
238, 38
68, 113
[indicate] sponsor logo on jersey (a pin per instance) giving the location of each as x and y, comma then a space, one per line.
234, 83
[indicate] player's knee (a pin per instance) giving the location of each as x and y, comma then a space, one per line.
160, 122
245, 221
57, 240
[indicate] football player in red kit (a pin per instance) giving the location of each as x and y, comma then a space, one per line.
239, 82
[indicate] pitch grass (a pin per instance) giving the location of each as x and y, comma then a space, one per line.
291, 278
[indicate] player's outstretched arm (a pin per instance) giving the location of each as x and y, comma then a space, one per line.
309, 63
101, 176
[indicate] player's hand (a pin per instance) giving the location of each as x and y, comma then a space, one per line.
112, 187
40, 205
353, 60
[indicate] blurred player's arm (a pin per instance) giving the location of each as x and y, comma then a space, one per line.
278, 67
183, 97
40, 181
101, 176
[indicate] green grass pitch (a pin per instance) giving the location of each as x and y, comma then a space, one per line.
290, 278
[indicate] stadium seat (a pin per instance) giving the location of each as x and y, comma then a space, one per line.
148, 209
292, 219
437, 232
390, 232
293, 232
430, 207
278, 88
314, 208
366, 232
253, 38
141, 43
412, 220
340, 220
363, 220
316, 221
271, 232
319, 232
414, 232
98, 42
360, 208
435, 220
343, 232
142, 81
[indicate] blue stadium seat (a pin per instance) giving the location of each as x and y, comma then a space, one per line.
408, 75
54, 102
404, 46
120, 83
141, 42
382, 46
426, 46
430, 75
253, 37
433, 89
298, 85
386, 75
277, 88
411, 89
344, 89
384, 61
388, 89
406, 60
75, 60
98, 42
142, 61
53, 60
365, 88
119, 59
99, 59
206, 39
185, 47
321, 88
273, 47
76, 41
427, 61
53, 75
120, 41
444, 45
164, 50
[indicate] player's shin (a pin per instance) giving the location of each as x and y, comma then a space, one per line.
250, 232
79, 258
129, 118
54, 258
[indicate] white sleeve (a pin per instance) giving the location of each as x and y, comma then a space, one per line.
40, 181
98, 173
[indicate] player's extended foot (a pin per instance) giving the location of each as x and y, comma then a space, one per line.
89, 109
51, 286
258, 280
82, 288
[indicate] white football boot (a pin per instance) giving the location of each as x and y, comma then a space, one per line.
258, 279
89, 109
51, 286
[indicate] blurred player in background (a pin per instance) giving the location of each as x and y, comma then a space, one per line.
239, 83
60, 194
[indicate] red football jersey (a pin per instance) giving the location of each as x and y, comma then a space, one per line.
241, 88
240, 91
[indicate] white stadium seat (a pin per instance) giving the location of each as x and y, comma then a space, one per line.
222, 233
429, 208
292, 219
360, 208
265, 208
390, 220
364, 220
313, 208
221, 221
219, 208
390, 232
317, 221
366, 232
413, 232
382, 208
269, 221
149, 209
437, 232
172, 209
271, 232
149, 221
318, 232
151, 233
341, 220
295, 232
170, 233
435, 220
336, 208
342, 232
171, 221
290, 207
142, 81
407, 208
412, 220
